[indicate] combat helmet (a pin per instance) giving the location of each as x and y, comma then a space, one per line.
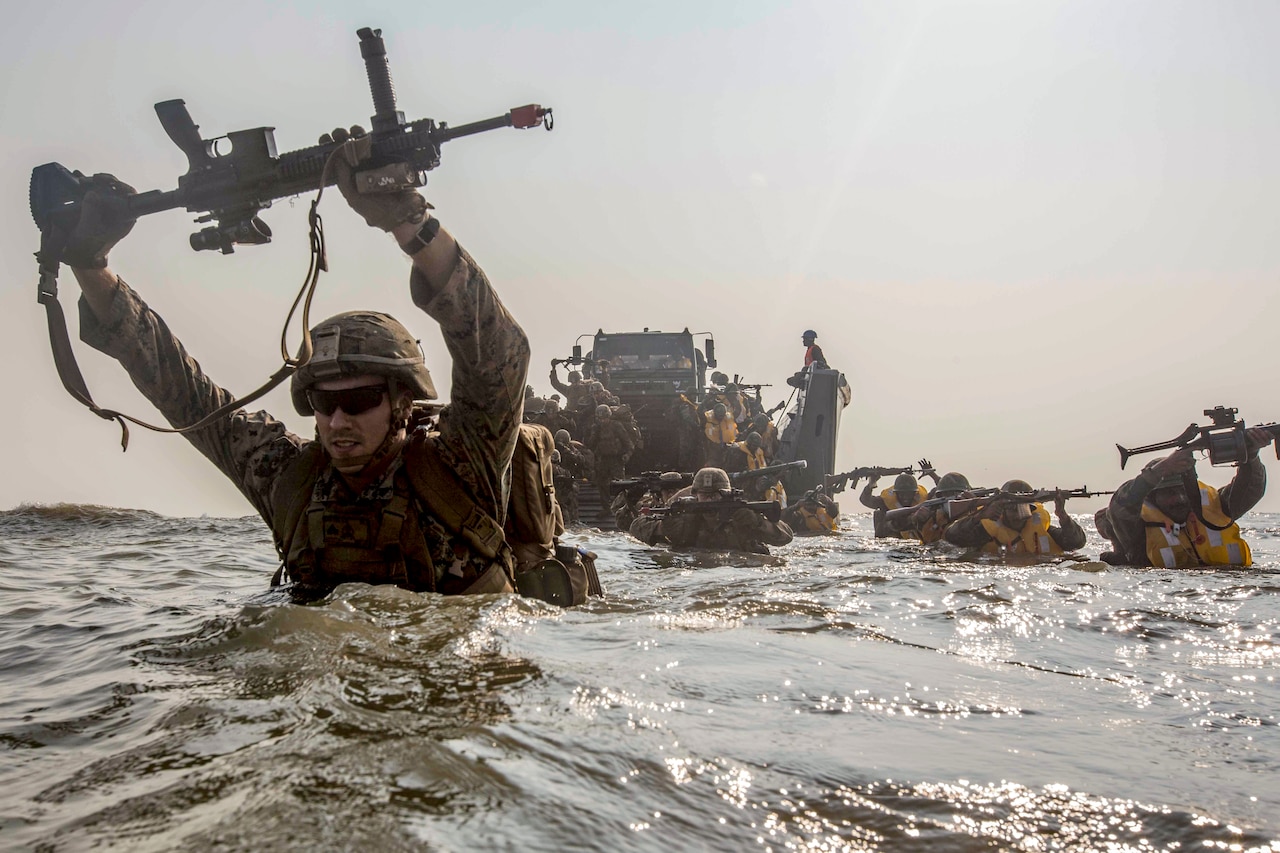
1017, 487
905, 483
952, 482
359, 342
809, 335
710, 480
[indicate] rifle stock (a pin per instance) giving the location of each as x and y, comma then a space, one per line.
771, 510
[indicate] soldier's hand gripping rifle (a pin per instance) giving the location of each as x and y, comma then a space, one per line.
1224, 439
902, 514
230, 188
833, 484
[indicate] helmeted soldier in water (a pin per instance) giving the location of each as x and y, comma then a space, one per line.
369, 499
1168, 517
1008, 526
737, 528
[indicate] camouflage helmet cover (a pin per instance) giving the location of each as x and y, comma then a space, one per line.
362, 342
711, 480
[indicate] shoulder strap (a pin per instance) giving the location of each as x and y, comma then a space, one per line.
439, 488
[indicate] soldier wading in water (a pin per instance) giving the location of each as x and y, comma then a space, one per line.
370, 499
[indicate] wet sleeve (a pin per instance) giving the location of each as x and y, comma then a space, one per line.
249, 448
1070, 536
1125, 511
490, 356
869, 498
968, 532
1245, 489
647, 528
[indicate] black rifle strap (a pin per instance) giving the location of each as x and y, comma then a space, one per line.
52, 240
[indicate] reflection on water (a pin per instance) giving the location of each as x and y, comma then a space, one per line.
843, 694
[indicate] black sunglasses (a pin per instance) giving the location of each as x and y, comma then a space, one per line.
352, 401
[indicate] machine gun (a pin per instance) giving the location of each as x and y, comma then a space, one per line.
1223, 439
772, 471
834, 484
230, 188
771, 510
649, 481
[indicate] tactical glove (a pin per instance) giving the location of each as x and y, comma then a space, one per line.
104, 220
383, 210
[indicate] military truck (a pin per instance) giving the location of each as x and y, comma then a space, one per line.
649, 371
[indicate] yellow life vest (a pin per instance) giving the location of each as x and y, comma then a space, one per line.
755, 458
816, 518
1032, 538
723, 431
1210, 538
776, 493
890, 497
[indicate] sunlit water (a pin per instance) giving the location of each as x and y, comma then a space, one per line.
843, 694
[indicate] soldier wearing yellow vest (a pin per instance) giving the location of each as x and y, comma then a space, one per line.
1011, 527
814, 514
720, 431
931, 522
906, 491
1167, 517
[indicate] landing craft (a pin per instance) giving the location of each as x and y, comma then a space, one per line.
651, 370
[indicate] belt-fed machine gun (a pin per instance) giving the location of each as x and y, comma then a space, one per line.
1223, 439
230, 188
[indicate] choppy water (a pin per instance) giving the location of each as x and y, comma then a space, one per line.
845, 694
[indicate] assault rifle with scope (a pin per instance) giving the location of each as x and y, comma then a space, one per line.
230, 188
649, 481
771, 510
1223, 439
834, 484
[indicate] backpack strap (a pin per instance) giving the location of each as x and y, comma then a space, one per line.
438, 487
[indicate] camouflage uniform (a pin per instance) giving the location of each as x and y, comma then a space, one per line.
477, 434
740, 529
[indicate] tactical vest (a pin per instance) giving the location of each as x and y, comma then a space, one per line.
1032, 538
325, 543
1208, 538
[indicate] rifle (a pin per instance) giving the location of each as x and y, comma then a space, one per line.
771, 510
902, 513
649, 481
231, 188
963, 506
833, 484
768, 471
1224, 439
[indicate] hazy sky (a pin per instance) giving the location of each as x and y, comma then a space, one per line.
1025, 230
